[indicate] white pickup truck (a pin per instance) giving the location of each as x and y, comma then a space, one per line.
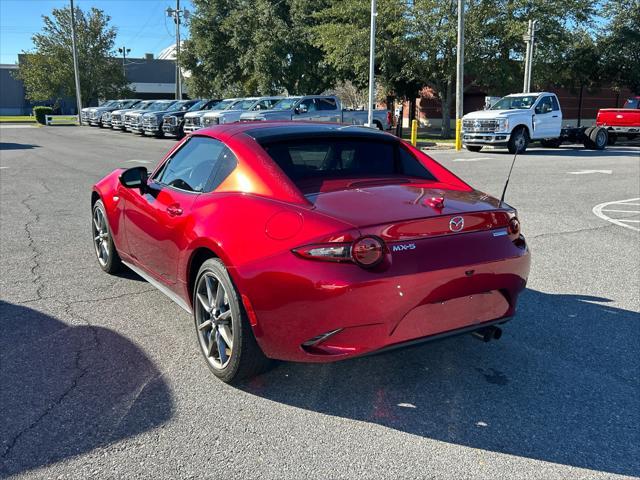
516, 120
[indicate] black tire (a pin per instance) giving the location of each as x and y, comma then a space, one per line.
473, 148
519, 140
246, 358
587, 142
599, 138
110, 262
612, 138
551, 143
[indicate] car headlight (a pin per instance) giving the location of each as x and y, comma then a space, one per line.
503, 125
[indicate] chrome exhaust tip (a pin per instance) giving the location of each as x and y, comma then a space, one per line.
487, 334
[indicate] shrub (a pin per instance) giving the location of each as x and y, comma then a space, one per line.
41, 112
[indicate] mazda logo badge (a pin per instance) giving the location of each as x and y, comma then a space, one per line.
456, 224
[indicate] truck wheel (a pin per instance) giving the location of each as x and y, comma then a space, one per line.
473, 148
551, 143
519, 141
596, 138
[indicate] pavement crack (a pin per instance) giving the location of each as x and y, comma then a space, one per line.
115, 297
569, 232
74, 383
36, 253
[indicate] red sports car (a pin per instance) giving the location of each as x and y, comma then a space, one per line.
311, 242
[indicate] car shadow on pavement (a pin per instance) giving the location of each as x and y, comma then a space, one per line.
17, 146
560, 386
66, 390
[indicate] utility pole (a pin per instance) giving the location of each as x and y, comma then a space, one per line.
372, 61
460, 75
529, 39
177, 13
124, 51
76, 72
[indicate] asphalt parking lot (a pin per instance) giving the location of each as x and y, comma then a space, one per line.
101, 377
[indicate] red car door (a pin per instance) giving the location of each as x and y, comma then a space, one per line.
159, 222
155, 225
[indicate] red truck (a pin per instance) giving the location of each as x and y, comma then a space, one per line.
621, 122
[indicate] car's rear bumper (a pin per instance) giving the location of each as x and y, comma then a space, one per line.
292, 301
622, 129
478, 139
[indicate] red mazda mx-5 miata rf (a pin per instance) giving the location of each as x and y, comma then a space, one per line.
311, 242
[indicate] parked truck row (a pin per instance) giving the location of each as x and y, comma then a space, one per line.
176, 118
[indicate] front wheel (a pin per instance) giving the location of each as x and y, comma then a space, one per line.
473, 148
104, 247
519, 141
224, 333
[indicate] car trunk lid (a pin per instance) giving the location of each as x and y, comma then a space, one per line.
411, 210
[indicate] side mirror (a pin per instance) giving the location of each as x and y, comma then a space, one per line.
135, 177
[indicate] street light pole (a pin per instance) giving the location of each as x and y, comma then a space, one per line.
529, 39
76, 72
177, 13
372, 60
124, 51
460, 75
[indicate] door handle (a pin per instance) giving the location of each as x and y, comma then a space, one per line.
554, 116
174, 210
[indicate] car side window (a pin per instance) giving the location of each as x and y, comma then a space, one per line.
545, 105
310, 104
326, 103
197, 166
556, 105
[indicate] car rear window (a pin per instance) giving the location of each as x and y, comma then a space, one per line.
331, 158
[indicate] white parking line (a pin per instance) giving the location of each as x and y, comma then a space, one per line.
587, 172
623, 222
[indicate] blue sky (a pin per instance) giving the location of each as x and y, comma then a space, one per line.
142, 24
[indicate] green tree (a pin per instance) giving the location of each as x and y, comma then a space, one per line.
620, 43
47, 71
251, 47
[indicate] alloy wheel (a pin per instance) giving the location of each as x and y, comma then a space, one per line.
214, 320
101, 236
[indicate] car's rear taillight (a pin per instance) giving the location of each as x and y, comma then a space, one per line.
367, 251
330, 252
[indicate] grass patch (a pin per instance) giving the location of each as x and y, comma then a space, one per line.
16, 118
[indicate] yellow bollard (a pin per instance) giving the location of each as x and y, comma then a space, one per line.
414, 132
458, 134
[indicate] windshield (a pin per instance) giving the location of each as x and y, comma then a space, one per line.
182, 105
286, 103
515, 103
145, 105
224, 104
128, 103
158, 106
198, 106
632, 103
108, 103
245, 104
